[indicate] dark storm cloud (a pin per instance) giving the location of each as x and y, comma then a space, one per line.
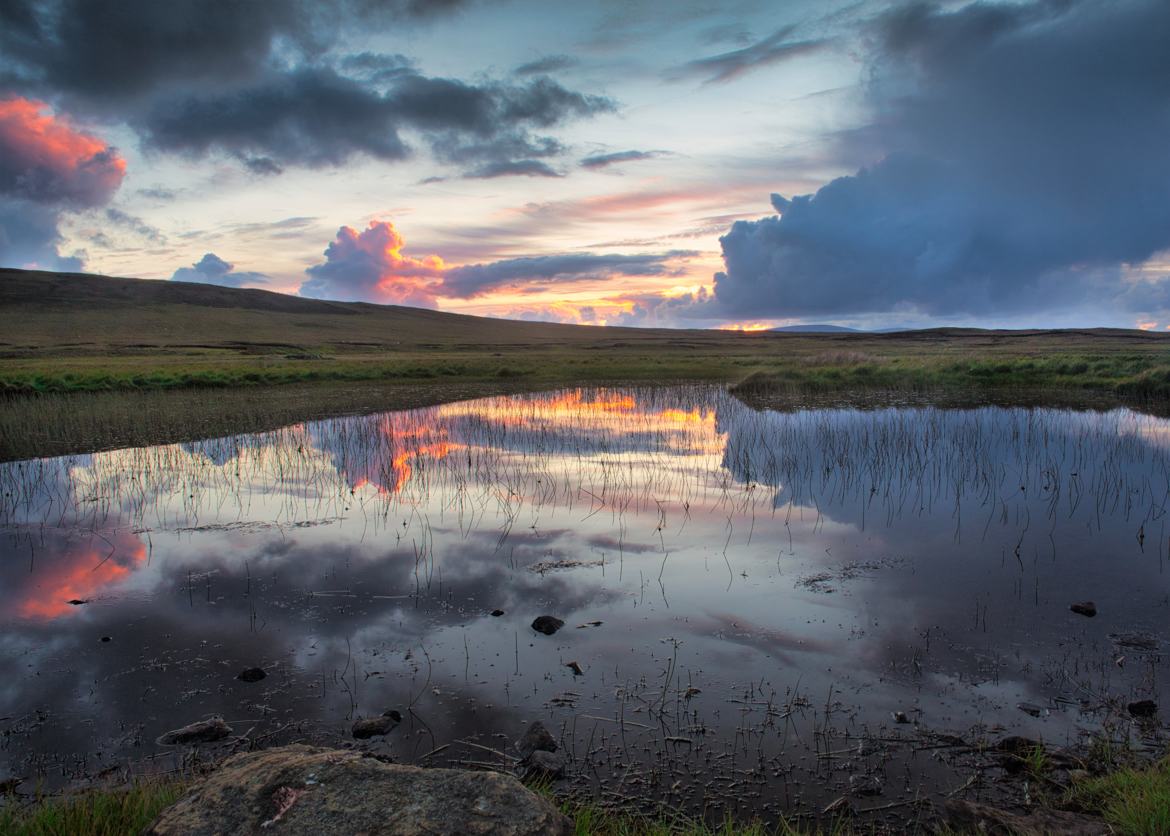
316, 116
1022, 160
474, 279
602, 160
513, 168
268, 83
728, 66
106, 51
211, 269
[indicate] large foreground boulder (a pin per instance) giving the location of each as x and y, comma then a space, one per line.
312, 791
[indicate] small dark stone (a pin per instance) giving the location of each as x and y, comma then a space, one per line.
536, 739
375, 726
1085, 608
252, 675
105, 638
541, 764
575, 668
497, 613
900, 717
547, 624
1143, 708
394, 714
77, 602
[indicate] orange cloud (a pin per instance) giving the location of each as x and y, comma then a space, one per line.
369, 266
45, 159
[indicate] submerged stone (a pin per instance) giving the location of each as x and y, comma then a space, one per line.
536, 739
547, 624
1085, 608
204, 731
1143, 708
368, 727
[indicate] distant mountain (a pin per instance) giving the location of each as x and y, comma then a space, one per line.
816, 329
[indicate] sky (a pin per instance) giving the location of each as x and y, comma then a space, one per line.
741, 164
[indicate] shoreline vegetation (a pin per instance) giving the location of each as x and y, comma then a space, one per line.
90, 363
1129, 799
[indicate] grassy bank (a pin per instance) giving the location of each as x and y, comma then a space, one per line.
1132, 801
91, 363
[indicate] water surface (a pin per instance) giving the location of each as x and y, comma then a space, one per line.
761, 604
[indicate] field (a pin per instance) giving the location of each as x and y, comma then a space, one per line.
276, 358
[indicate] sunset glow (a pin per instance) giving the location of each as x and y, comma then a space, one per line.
636, 165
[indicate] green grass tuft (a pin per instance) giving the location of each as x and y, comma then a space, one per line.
1133, 801
91, 813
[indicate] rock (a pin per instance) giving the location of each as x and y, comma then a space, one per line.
309, 791
251, 675
369, 727
497, 613
547, 765
104, 638
547, 624
205, 731
865, 785
536, 739
900, 717
1085, 608
1143, 708
971, 817
575, 668
77, 602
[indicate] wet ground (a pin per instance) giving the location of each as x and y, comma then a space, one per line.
763, 611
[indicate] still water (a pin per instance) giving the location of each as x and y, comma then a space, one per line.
761, 605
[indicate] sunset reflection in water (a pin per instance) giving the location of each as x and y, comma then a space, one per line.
913, 560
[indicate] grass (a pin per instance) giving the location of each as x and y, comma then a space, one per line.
91, 813
1134, 801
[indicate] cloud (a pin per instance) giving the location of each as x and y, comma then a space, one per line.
647, 310
728, 66
136, 225
47, 167
603, 160
1011, 173
211, 269
29, 237
513, 168
370, 267
269, 83
315, 116
475, 279
547, 64
45, 159
107, 53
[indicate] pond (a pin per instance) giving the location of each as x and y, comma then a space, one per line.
763, 611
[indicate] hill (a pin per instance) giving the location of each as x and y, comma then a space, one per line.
815, 329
